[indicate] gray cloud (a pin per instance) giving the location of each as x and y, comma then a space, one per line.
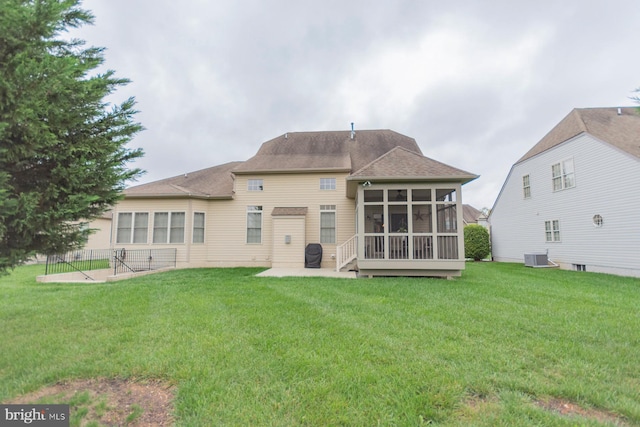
476, 83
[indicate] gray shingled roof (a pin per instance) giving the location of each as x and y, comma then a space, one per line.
310, 151
470, 214
400, 163
211, 183
289, 211
620, 130
369, 154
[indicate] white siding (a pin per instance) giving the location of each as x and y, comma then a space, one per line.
607, 182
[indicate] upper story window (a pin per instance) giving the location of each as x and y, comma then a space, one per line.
327, 183
562, 175
255, 185
526, 187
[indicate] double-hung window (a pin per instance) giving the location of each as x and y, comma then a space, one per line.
327, 223
254, 224
526, 187
132, 227
198, 227
552, 230
562, 175
168, 227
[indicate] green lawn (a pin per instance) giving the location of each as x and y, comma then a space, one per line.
487, 349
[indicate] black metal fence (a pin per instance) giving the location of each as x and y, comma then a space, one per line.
120, 260
134, 260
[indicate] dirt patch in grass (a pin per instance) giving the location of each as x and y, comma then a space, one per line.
570, 409
109, 402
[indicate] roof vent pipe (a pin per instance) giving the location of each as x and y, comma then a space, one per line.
353, 132
619, 111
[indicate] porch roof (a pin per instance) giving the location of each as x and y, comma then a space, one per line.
402, 165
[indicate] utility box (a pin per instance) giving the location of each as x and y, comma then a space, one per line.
536, 260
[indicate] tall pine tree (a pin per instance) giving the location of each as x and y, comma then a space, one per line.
63, 148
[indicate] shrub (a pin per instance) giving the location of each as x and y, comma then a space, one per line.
476, 242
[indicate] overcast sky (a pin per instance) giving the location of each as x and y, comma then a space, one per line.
476, 83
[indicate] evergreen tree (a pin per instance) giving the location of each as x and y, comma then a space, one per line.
63, 149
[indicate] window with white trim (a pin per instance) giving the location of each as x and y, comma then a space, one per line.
255, 185
168, 227
552, 230
327, 183
562, 175
132, 227
254, 224
526, 187
327, 223
198, 227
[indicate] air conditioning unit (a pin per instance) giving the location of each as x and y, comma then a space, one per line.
536, 260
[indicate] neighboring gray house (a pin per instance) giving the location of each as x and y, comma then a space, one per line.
576, 195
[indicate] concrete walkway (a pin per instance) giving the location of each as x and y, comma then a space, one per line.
307, 272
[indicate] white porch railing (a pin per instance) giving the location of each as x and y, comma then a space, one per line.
346, 252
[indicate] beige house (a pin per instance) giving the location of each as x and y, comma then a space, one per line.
369, 198
100, 237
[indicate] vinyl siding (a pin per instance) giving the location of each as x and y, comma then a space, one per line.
226, 220
152, 206
101, 237
289, 255
606, 183
289, 190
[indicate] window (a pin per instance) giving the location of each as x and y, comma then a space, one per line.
598, 221
327, 183
562, 175
176, 234
161, 227
552, 230
327, 223
526, 187
132, 227
198, 227
255, 185
254, 224
168, 227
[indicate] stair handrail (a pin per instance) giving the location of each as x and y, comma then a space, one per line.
346, 252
